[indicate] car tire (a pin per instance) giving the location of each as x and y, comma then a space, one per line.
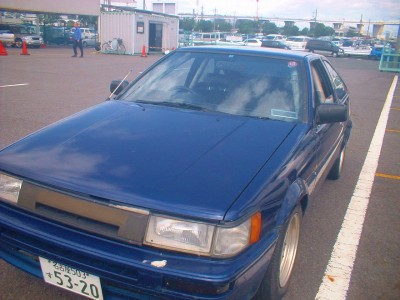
334, 54
85, 44
277, 278
337, 167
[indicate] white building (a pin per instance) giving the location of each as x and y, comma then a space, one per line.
140, 29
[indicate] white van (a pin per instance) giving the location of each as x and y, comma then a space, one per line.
297, 42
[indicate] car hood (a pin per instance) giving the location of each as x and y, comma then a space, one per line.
158, 158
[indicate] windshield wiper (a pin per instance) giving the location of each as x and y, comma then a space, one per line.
175, 104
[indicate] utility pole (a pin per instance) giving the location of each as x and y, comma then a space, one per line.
257, 17
215, 17
315, 21
398, 42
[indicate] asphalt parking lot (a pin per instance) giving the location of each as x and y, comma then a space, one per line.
47, 85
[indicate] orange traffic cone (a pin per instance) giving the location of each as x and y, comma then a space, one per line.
3, 50
144, 54
24, 49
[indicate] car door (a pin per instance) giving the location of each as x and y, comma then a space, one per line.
329, 136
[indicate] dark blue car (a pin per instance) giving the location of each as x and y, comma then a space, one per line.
190, 184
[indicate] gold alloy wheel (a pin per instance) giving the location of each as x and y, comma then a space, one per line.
289, 249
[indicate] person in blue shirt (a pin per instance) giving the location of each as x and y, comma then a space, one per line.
77, 40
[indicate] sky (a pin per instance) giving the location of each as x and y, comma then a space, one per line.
340, 10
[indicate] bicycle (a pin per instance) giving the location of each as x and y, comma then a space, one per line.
114, 46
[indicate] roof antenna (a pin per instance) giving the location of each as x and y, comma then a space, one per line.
113, 92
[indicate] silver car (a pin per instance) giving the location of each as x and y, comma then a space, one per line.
90, 41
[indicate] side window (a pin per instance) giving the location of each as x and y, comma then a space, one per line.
338, 84
322, 86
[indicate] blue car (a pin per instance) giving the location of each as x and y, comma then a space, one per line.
378, 50
190, 183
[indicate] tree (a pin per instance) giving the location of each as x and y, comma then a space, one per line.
305, 31
270, 28
352, 32
187, 24
290, 30
222, 25
46, 19
247, 26
322, 30
88, 21
204, 26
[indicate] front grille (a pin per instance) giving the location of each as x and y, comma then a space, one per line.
117, 222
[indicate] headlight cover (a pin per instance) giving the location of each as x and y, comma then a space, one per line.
179, 235
200, 238
9, 188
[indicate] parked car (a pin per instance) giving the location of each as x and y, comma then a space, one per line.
275, 37
324, 46
86, 33
251, 42
7, 37
90, 42
378, 49
23, 34
355, 48
362, 50
275, 44
191, 184
297, 42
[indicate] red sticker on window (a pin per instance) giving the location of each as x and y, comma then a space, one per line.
292, 64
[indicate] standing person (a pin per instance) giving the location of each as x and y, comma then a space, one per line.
77, 39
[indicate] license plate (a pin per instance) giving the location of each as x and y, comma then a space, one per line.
71, 279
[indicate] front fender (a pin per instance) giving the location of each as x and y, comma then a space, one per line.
295, 193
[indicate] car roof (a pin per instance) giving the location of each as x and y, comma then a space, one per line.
270, 52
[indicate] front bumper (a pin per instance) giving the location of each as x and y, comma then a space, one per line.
125, 270
34, 41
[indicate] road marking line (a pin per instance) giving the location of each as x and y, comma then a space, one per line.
336, 280
387, 176
392, 130
13, 85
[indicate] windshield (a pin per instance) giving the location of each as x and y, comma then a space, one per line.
241, 85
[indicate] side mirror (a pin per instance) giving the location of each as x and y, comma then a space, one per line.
117, 86
331, 113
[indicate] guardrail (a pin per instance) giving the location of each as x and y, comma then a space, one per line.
390, 62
